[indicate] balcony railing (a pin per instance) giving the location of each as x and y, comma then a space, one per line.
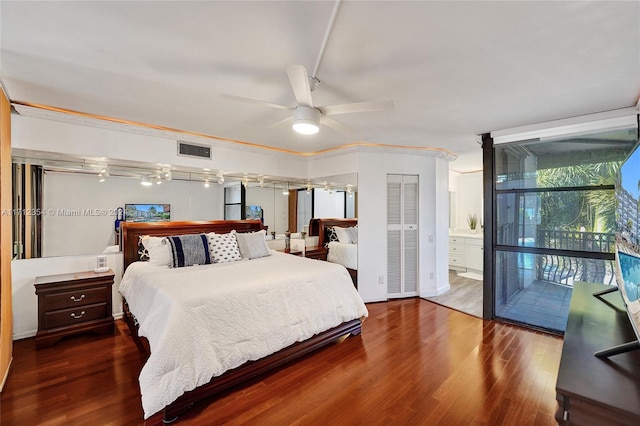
565, 269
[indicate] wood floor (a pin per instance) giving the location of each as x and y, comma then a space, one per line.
416, 363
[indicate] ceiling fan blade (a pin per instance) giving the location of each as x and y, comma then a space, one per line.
356, 107
300, 84
335, 125
255, 101
288, 119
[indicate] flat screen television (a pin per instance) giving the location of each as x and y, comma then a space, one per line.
254, 213
627, 264
147, 212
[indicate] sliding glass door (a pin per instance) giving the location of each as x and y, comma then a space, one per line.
554, 212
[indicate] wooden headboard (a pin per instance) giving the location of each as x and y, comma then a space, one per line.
132, 231
316, 226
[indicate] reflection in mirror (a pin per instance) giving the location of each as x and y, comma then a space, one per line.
69, 205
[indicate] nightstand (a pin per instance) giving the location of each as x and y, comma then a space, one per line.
73, 303
315, 252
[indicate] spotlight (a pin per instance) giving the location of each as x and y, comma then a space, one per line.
206, 183
145, 181
158, 180
101, 177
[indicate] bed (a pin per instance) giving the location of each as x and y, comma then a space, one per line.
211, 310
345, 254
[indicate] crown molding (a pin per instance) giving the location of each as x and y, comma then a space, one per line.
109, 123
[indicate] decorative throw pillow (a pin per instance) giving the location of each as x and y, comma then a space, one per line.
187, 250
342, 234
353, 233
143, 253
224, 247
158, 250
329, 235
252, 245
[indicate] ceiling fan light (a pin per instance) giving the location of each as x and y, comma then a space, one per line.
305, 120
305, 127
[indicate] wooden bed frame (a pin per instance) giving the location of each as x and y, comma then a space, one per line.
131, 232
316, 229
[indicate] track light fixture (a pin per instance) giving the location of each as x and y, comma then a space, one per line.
146, 181
101, 177
206, 183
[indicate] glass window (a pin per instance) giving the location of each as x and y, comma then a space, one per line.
555, 216
564, 220
579, 161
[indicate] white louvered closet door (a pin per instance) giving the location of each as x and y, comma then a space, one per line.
402, 235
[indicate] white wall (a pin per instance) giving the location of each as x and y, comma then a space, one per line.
468, 198
58, 137
327, 204
372, 167
275, 206
79, 202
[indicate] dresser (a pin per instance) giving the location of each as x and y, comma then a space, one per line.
592, 390
466, 253
73, 303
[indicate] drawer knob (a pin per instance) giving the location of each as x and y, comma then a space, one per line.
77, 300
73, 315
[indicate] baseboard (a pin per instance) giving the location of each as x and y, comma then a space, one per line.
438, 292
25, 334
6, 375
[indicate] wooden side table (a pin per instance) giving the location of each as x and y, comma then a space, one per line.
314, 252
73, 303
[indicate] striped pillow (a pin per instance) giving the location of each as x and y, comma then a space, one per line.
187, 250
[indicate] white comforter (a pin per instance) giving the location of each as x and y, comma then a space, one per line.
344, 254
204, 320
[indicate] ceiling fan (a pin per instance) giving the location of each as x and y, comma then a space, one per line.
306, 117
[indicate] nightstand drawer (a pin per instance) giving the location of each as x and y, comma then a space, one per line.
75, 298
75, 316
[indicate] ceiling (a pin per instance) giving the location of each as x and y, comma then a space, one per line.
453, 69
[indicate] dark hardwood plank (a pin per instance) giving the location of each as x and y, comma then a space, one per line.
415, 363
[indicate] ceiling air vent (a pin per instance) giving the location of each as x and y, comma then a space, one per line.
194, 150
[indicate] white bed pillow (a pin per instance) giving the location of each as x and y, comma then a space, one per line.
223, 247
343, 235
353, 233
159, 251
252, 245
